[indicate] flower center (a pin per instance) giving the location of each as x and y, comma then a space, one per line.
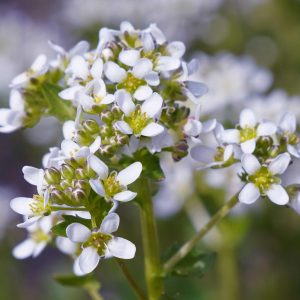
219, 156
98, 240
247, 133
111, 185
40, 236
131, 83
137, 120
263, 179
38, 206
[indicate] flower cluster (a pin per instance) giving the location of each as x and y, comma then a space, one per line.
122, 103
264, 151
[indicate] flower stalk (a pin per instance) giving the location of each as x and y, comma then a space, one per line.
153, 268
189, 245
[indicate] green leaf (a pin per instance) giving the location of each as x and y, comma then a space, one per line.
150, 162
60, 229
196, 263
87, 281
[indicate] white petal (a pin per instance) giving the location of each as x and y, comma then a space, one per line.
29, 222
110, 223
142, 68
66, 246
129, 57
69, 130
167, 63
114, 72
152, 105
16, 101
97, 69
278, 195
130, 174
94, 147
250, 163
280, 164
147, 42
79, 67
70, 93
97, 187
266, 128
21, 205
79, 49
192, 128
248, 146
126, 26
247, 118
88, 260
152, 129
125, 196
69, 148
293, 150
249, 194
209, 125
121, 248
142, 92
76, 268
152, 78
32, 175
38, 249
24, 249
157, 34
123, 127
176, 49
228, 151
123, 99
60, 50
78, 233
108, 99
99, 88
98, 166
288, 123
198, 89
231, 136
40, 63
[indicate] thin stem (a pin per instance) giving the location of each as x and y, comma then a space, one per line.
153, 268
189, 245
138, 291
58, 208
94, 294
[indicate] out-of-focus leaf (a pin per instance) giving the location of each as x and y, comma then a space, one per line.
196, 263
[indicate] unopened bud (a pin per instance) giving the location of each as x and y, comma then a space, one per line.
78, 196
52, 176
57, 197
91, 126
67, 171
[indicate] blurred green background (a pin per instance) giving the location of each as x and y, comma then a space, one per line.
258, 249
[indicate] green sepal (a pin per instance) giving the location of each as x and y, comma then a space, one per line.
195, 264
60, 229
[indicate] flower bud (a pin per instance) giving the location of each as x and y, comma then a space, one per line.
82, 184
57, 197
80, 173
180, 150
52, 176
91, 126
64, 184
67, 171
107, 117
78, 196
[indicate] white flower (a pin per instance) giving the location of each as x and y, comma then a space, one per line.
138, 80
249, 131
38, 68
113, 186
139, 120
287, 128
12, 119
194, 127
39, 237
263, 180
99, 244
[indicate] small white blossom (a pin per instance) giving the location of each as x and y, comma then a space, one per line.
99, 244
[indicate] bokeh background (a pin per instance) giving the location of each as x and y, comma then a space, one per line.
249, 56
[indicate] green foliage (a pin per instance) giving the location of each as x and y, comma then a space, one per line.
195, 264
60, 229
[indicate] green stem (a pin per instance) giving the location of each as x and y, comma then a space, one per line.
189, 245
137, 290
58, 208
94, 294
153, 268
